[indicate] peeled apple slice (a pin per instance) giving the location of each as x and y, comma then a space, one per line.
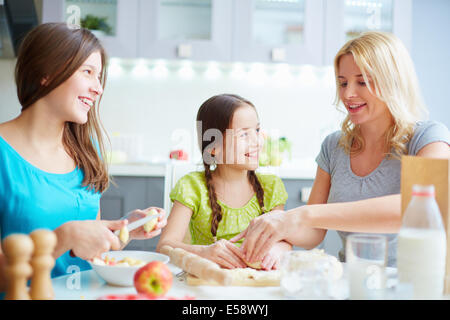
149, 226
124, 235
254, 265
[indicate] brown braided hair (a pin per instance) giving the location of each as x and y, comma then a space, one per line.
217, 113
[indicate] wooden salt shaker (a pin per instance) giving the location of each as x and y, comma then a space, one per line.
18, 249
42, 263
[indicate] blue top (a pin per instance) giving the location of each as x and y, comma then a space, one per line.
31, 199
384, 180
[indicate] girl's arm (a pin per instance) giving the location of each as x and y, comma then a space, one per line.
177, 226
222, 252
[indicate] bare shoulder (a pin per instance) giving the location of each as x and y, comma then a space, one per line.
7, 130
7, 126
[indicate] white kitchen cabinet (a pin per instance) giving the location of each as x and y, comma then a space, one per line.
345, 19
289, 31
121, 17
190, 29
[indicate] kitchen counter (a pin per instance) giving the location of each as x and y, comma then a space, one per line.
298, 169
138, 170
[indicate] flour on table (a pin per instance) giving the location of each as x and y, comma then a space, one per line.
308, 259
242, 274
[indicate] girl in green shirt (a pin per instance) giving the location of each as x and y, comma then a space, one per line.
218, 204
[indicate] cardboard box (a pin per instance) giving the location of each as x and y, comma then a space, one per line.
427, 171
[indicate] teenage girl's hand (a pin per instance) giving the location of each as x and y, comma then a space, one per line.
261, 234
224, 253
90, 238
140, 233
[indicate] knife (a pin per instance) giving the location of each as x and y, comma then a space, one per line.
136, 224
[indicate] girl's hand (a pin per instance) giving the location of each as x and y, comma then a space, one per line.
140, 233
90, 238
261, 234
224, 253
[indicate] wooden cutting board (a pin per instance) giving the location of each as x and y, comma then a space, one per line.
253, 279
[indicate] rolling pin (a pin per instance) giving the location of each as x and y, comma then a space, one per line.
200, 267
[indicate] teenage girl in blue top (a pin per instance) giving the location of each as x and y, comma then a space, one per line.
52, 172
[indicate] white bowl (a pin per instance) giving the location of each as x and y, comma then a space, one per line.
124, 276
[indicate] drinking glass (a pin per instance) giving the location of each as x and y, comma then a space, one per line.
366, 257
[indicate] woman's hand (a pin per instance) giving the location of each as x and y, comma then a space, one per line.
272, 260
140, 233
224, 253
90, 238
261, 235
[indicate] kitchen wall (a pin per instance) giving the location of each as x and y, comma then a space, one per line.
163, 109
9, 105
431, 54
159, 102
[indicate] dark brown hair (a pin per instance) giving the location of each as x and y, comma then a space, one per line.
53, 51
217, 113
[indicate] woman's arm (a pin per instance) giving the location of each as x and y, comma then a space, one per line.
263, 232
440, 150
375, 215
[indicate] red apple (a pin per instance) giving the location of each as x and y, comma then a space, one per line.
154, 279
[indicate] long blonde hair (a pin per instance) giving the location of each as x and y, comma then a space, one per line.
384, 58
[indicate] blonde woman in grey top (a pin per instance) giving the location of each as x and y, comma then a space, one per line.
357, 184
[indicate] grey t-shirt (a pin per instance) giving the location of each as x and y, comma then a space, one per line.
384, 180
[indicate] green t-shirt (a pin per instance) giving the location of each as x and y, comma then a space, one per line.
192, 192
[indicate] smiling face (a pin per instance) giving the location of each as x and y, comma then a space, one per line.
72, 100
362, 106
243, 140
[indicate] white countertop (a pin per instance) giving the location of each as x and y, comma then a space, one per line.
138, 170
92, 287
87, 285
298, 169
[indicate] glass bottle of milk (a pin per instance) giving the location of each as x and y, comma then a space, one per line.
422, 245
